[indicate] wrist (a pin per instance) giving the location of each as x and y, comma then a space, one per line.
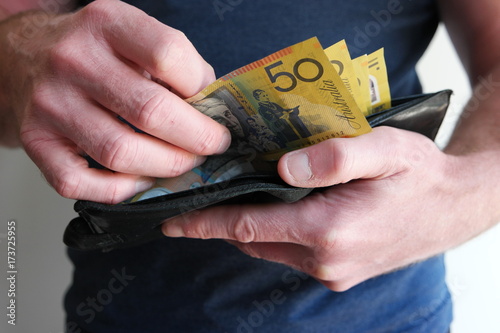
474, 176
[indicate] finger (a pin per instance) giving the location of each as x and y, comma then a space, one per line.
102, 136
293, 255
278, 222
163, 51
299, 258
154, 109
109, 141
228, 222
335, 276
382, 153
71, 177
120, 87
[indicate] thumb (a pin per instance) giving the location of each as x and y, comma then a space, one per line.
379, 154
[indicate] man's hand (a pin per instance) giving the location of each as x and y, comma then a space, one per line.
65, 80
398, 198
395, 203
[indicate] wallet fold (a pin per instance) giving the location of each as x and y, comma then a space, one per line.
107, 227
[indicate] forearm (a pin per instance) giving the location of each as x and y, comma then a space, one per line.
478, 129
474, 28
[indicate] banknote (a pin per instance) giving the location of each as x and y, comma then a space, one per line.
363, 78
291, 99
380, 94
340, 58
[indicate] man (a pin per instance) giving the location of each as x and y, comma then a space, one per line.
364, 243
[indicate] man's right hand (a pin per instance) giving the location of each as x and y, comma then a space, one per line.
65, 82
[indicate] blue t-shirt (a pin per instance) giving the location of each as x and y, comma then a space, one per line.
184, 285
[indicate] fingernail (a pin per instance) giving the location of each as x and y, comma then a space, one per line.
143, 184
225, 142
173, 230
299, 166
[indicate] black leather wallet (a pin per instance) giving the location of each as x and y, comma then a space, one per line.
108, 227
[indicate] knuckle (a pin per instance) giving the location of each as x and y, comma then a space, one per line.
42, 99
118, 152
341, 160
243, 229
150, 115
170, 53
207, 141
67, 184
178, 164
114, 193
99, 10
64, 56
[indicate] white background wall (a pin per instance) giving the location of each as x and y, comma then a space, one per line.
41, 216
